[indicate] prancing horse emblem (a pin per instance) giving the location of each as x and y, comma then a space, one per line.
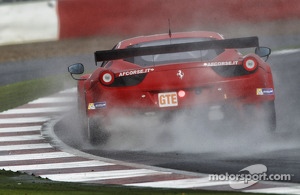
180, 74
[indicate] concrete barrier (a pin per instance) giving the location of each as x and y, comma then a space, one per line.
91, 17
28, 22
60, 19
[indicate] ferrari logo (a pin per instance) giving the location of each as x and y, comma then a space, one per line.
180, 74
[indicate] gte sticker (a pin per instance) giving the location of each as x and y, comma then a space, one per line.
134, 72
221, 63
167, 99
96, 105
264, 91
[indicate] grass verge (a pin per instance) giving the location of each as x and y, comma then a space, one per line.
15, 183
17, 94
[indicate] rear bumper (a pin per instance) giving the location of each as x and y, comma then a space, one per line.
225, 111
254, 89
211, 117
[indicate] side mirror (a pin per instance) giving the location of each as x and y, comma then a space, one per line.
263, 51
77, 68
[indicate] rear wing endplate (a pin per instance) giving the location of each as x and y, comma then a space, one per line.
115, 54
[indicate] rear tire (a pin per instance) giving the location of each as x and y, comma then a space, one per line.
270, 116
95, 132
263, 115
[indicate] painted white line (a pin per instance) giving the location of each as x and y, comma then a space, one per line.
37, 110
53, 100
277, 190
102, 175
46, 155
21, 138
20, 129
24, 120
181, 183
285, 52
25, 147
92, 163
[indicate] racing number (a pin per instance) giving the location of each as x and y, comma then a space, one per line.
167, 99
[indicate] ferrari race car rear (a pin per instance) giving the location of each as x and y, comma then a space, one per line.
204, 88
209, 78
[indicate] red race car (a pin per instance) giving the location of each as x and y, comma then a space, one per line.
170, 73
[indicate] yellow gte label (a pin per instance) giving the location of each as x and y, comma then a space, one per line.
167, 99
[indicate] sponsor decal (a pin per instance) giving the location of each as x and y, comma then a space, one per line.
167, 99
134, 72
96, 105
264, 91
221, 63
180, 74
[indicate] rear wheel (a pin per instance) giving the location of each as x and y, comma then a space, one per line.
263, 115
95, 132
270, 116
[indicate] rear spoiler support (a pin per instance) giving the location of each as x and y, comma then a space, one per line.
115, 54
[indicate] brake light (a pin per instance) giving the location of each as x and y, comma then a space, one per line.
250, 64
106, 77
181, 93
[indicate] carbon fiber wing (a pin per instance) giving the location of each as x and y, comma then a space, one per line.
107, 55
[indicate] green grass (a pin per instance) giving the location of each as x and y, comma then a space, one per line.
16, 183
18, 94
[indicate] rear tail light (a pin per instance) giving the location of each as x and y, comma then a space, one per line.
181, 93
106, 77
250, 64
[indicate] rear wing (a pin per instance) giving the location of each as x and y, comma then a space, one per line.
115, 54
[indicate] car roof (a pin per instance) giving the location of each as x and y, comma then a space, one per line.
192, 34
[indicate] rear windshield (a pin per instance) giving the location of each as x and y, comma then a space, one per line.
189, 56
